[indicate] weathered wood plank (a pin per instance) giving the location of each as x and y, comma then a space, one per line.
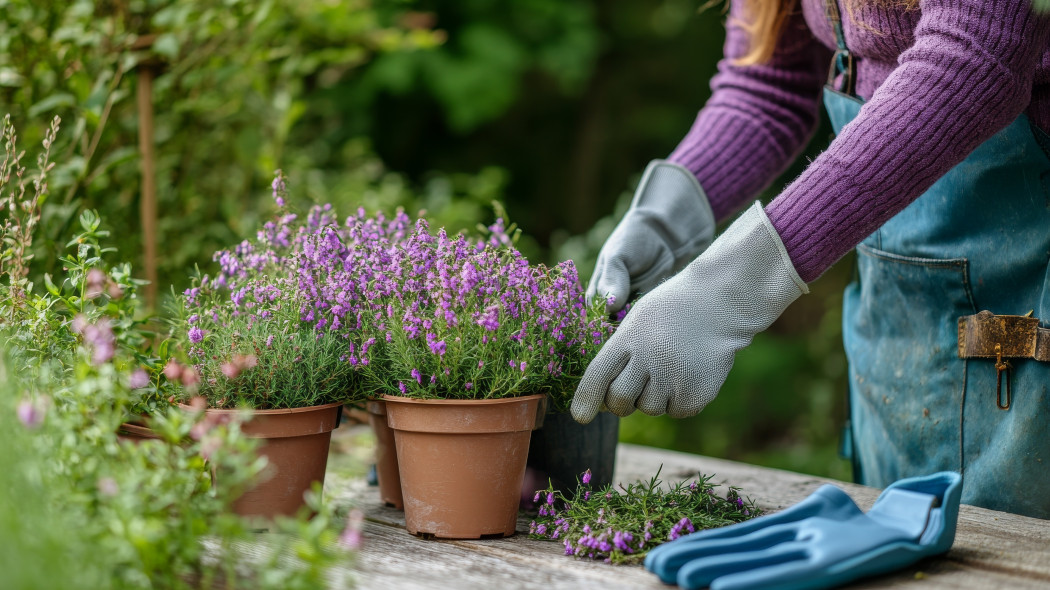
985, 539
992, 549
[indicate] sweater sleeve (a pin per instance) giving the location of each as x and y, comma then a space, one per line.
758, 118
968, 75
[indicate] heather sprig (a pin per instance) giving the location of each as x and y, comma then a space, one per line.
621, 526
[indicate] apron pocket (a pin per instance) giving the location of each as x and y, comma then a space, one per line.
907, 384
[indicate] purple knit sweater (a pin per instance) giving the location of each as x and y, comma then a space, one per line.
938, 81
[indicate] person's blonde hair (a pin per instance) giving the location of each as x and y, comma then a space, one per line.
765, 20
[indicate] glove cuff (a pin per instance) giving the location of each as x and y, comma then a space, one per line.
774, 238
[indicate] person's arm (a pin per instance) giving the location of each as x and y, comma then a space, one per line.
759, 117
968, 75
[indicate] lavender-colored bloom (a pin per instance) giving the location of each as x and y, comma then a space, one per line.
196, 334
586, 479
107, 486
31, 413
401, 386
138, 379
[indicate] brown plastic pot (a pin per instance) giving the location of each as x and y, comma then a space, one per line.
462, 463
295, 443
136, 433
386, 456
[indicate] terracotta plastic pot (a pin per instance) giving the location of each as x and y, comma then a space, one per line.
462, 463
386, 456
296, 446
136, 433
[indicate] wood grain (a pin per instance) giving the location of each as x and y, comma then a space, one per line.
992, 549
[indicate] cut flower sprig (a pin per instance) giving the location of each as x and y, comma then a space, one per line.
622, 525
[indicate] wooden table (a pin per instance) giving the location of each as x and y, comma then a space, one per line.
992, 549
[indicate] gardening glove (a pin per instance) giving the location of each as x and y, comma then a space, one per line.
669, 223
673, 351
821, 542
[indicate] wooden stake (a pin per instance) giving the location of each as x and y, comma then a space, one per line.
148, 201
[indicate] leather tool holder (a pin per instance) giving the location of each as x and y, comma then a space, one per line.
1003, 337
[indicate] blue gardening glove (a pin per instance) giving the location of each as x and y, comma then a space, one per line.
673, 351
669, 223
821, 542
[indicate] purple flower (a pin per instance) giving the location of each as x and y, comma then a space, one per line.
417, 376
31, 413
586, 479
139, 378
401, 386
107, 486
468, 386
196, 334
351, 538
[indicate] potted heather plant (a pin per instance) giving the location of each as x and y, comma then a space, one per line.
466, 341
255, 338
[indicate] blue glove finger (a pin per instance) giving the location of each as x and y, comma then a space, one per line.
826, 500
787, 575
667, 563
701, 573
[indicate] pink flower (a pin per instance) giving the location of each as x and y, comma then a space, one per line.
172, 370
139, 378
107, 486
352, 539
31, 412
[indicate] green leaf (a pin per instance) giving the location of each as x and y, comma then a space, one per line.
166, 45
51, 103
51, 288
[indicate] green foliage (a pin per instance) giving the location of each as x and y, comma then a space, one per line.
133, 515
232, 81
79, 506
621, 526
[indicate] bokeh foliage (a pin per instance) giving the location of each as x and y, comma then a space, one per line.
552, 106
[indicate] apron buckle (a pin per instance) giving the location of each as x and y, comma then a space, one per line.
1001, 367
1001, 337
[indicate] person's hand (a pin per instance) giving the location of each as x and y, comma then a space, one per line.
823, 541
669, 223
673, 351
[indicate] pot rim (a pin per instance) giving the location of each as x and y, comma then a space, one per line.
459, 402
273, 412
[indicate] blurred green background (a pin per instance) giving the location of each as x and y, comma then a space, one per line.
552, 107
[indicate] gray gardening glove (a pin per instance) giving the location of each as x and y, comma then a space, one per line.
674, 349
669, 223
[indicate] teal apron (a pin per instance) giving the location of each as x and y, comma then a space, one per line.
977, 239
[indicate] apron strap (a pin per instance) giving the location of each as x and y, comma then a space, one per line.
842, 63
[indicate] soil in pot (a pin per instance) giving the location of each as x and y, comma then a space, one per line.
386, 456
562, 449
295, 443
462, 463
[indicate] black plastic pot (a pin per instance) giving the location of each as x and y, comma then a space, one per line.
563, 449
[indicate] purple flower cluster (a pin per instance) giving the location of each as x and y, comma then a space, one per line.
414, 312
622, 526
